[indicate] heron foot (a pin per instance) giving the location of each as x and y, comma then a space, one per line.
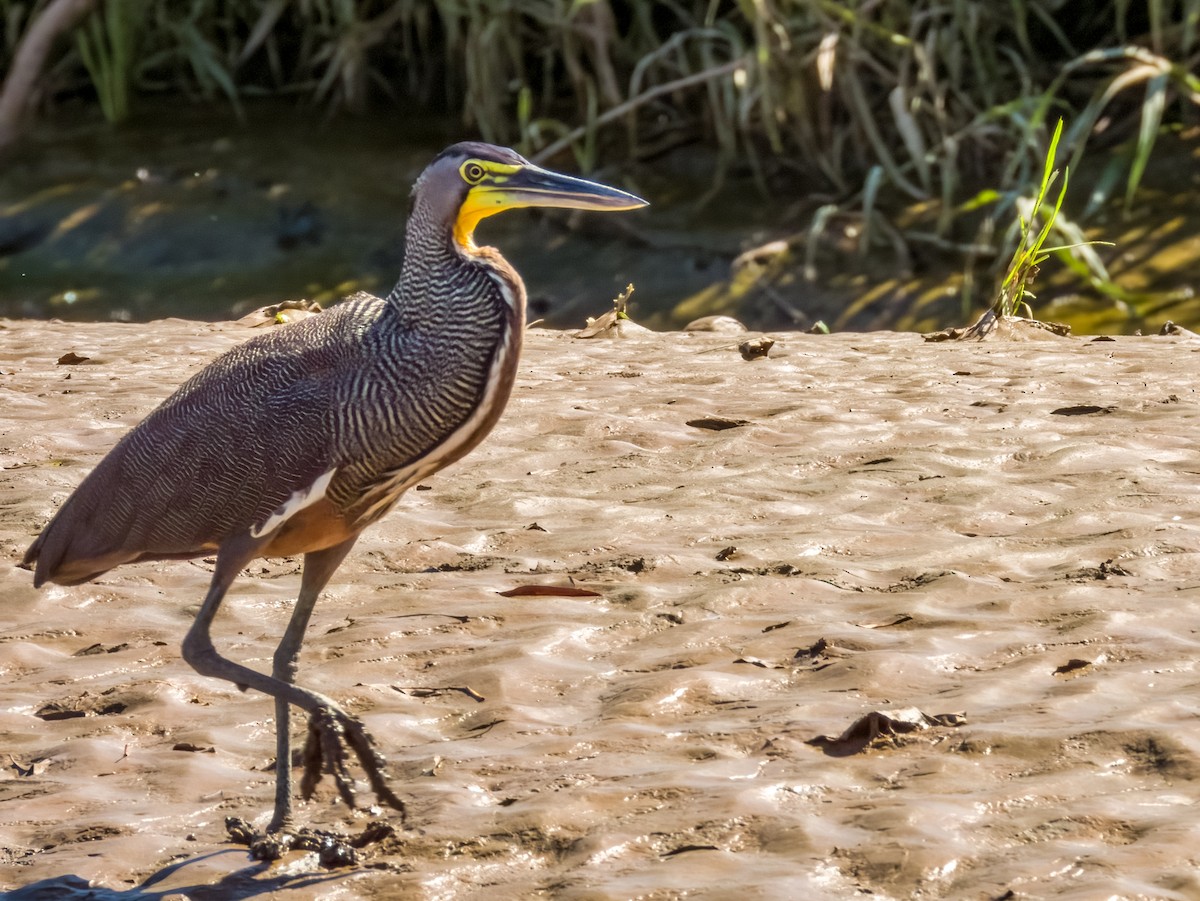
331, 734
333, 848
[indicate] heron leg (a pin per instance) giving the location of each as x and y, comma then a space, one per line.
319, 567
198, 648
331, 729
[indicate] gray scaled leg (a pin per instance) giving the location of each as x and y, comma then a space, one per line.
330, 727
319, 567
198, 648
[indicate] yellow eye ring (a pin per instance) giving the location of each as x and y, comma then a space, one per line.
473, 173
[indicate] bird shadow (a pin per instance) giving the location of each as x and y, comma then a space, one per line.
243, 883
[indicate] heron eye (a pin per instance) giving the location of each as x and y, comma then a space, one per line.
473, 172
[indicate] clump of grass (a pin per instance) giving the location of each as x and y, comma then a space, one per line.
106, 43
1029, 254
1034, 227
877, 107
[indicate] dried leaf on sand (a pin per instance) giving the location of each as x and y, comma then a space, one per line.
881, 727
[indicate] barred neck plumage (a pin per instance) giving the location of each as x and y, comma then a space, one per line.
445, 358
443, 284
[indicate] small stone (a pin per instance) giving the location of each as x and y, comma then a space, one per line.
721, 325
754, 350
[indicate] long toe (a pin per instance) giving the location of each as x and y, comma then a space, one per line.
374, 765
325, 752
331, 733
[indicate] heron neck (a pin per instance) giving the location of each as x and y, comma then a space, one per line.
443, 283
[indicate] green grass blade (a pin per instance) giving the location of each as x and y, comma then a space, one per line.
870, 192
1152, 110
910, 134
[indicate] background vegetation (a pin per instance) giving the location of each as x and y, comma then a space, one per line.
911, 124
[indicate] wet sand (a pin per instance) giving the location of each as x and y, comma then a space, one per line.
1009, 531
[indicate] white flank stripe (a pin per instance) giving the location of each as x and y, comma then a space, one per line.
304, 497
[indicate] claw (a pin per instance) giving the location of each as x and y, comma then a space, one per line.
330, 733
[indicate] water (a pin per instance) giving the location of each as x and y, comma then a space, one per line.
191, 213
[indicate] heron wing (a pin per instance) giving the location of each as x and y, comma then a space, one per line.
220, 456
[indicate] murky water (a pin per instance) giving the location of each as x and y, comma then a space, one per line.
191, 213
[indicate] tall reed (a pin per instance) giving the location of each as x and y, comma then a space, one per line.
934, 104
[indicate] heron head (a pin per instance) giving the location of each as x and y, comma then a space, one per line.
478, 180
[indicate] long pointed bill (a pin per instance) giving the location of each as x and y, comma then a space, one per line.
534, 186
529, 186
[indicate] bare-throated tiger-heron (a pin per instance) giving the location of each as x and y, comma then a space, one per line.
298, 439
